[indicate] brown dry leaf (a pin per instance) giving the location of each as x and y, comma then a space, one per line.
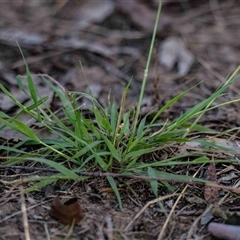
9, 134
173, 51
24, 39
6, 104
43, 90
143, 16
228, 177
206, 218
93, 12
7, 75
66, 212
195, 200
76, 78
211, 194
108, 190
220, 212
228, 144
75, 43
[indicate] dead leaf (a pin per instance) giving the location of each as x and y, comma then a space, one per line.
215, 211
228, 177
173, 51
43, 90
75, 78
108, 190
94, 90
8, 133
211, 194
195, 200
75, 43
24, 39
91, 12
7, 75
142, 16
206, 218
94, 12
6, 104
66, 212
228, 144
219, 211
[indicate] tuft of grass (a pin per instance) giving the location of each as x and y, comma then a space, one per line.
108, 140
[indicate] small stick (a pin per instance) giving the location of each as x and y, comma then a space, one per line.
24, 214
109, 224
119, 175
163, 228
146, 206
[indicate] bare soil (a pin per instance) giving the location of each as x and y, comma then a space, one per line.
112, 42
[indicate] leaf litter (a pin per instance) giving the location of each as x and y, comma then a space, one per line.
202, 37
69, 212
173, 52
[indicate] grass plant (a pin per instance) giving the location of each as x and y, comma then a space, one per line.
105, 140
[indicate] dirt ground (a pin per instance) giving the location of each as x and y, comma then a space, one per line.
111, 40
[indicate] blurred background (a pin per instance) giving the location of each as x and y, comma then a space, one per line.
197, 42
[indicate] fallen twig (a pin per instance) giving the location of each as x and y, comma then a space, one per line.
196, 181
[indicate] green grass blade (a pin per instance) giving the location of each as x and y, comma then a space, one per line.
113, 116
141, 127
141, 152
65, 171
20, 84
86, 149
115, 153
146, 72
115, 189
22, 128
40, 185
169, 104
153, 183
